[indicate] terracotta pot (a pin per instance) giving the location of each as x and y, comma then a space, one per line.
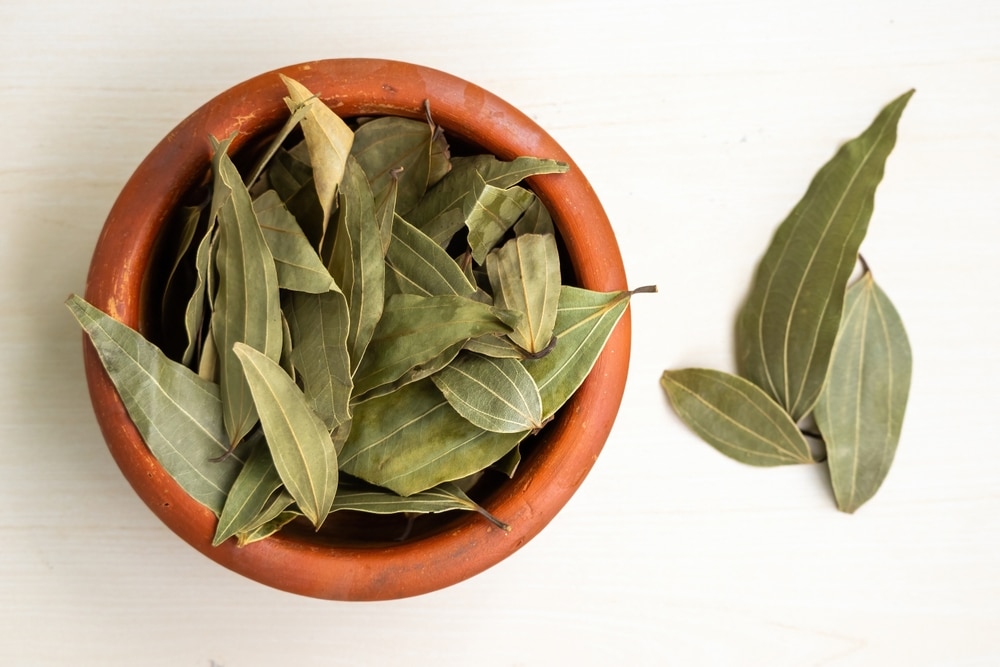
355, 559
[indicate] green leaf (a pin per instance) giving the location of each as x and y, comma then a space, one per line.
860, 412
418, 372
446, 497
255, 485
736, 417
385, 214
584, 322
395, 149
298, 266
412, 440
788, 325
300, 444
490, 212
329, 140
318, 325
440, 213
357, 262
494, 394
492, 345
202, 294
272, 518
423, 267
415, 329
525, 277
178, 415
247, 307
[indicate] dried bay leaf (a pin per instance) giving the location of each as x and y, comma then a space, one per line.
489, 212
329, 140
446, 497
584, 321
298, 266
291, 176
422, 266
395, 150
492, 345
357, 262
524, 274
178, 414
494, 394
273, 517
441, 213
247, 306
536, 220
188, 219
414, 330
300, 444
798, 291
318, 325
418, 372
202, 295
736, 417
249, 494
412, 440
860, 411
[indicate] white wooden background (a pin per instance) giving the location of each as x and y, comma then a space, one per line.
699, 123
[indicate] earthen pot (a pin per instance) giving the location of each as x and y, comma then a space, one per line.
362, 557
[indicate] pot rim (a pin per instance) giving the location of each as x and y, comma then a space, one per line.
542, 485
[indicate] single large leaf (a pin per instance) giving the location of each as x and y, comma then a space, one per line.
395, 149
787, 327
446, 497
494, 394
329, 140
247, 307
489, 212
423, 267
736, 417
415, 330
412, 440
440, 213
318, 325
256, 483
525, 277
584, 321
298, 266
178, 415
860, 412
357, 262
300, 444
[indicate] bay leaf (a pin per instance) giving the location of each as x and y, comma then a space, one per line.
788, 325
440, 214
254, 486
187, 218
291, 176
357, 262
446, 497
584, 321
416, 329
492, 345
202, 295
247, 306
490, 212
736, 417
422, 266
525, 277
418, 372
385, 214
178, 414
298, 266
860, 411
273, 517
318, 325
440, 158
292, 122
329, 140
536, 220
300, 444
395, 152
494, 394
412, 440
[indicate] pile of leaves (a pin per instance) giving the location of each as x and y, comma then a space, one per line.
811, 348
368, 324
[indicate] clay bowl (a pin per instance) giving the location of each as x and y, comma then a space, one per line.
361, 557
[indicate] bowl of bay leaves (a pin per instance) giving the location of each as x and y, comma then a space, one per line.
356, 329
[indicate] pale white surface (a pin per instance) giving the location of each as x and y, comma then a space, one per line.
699, 124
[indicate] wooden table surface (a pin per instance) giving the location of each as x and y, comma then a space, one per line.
699, 125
